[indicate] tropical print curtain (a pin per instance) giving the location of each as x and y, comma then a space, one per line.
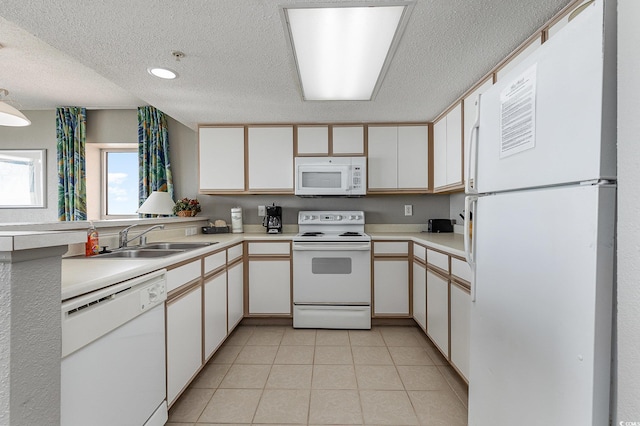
153, 153
71, 135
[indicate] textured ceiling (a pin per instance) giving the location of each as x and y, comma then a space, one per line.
237, 66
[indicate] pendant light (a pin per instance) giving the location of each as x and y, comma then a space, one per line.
10, 116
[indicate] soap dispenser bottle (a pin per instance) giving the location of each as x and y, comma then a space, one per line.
93, 246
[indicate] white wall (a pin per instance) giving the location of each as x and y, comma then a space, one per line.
627, 384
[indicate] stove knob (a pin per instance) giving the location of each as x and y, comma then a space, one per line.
353, 217
339, 217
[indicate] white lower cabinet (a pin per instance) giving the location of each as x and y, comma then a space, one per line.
391, 287
270, 286
235, 295
460, 323
420, 294
215, 313
438, 311
184, 340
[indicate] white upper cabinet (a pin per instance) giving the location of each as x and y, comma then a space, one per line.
221, 159
470, 103
413, 157
447, 150
398, 158
383, 158
313, 140
348, 140
270, 159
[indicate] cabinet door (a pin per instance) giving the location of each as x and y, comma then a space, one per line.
454, 146
391, 287
383, 158
469, 118
270, 287
420, 295
440, 153
221, 158
270, 158
215, 313
460, 323
184, 341
235, 295
438, 311
313, 140
413, 157
348, 140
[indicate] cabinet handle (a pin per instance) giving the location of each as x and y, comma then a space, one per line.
472, 155
470, 203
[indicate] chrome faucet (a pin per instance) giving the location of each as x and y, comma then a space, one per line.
123, 236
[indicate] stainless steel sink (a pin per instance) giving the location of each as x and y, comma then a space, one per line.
175, 246
136, 254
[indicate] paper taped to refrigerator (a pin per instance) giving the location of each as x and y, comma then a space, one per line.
518, 114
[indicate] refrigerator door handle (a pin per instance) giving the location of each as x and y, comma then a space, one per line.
470, 203
472, 155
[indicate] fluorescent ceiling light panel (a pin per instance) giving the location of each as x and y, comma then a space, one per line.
342, 52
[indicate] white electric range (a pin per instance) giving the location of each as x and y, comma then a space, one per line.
331, 271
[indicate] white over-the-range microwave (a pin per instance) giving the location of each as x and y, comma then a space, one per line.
336, 176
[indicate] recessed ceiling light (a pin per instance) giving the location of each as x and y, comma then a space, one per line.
343, 52
165, 73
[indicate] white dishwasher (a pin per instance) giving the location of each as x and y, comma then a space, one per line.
113, 355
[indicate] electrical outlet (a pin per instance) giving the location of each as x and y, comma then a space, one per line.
261, 211
408, 210
192, 230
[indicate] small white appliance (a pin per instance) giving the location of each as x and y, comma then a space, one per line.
113, 355
541, 311
330, 176
331, 271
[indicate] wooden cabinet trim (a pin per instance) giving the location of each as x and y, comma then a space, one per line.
461, 284
183, 290
213, 274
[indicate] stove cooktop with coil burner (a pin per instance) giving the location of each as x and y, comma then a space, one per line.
331, 226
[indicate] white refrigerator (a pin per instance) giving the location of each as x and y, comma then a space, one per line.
542, 162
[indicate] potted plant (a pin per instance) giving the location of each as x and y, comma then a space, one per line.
187, 207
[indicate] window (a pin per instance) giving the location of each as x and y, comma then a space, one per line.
119, 182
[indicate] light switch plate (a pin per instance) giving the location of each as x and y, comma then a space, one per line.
261, 211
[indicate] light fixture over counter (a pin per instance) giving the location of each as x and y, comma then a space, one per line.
158, 202
342, 52
10, 116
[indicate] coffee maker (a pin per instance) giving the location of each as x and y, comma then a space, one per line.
273, 220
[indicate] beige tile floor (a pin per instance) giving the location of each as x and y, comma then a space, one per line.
266, 375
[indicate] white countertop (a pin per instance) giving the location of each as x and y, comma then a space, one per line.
82, 275
25, 240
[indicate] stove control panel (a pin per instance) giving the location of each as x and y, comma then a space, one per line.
331, 217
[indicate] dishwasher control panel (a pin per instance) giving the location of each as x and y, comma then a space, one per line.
153, 294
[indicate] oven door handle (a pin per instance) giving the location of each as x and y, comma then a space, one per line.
331, 247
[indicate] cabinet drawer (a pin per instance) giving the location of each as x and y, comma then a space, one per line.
269, 248
461, 269
214, 261
420, 252
183, 274
437, 259
395, 247
234, 252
